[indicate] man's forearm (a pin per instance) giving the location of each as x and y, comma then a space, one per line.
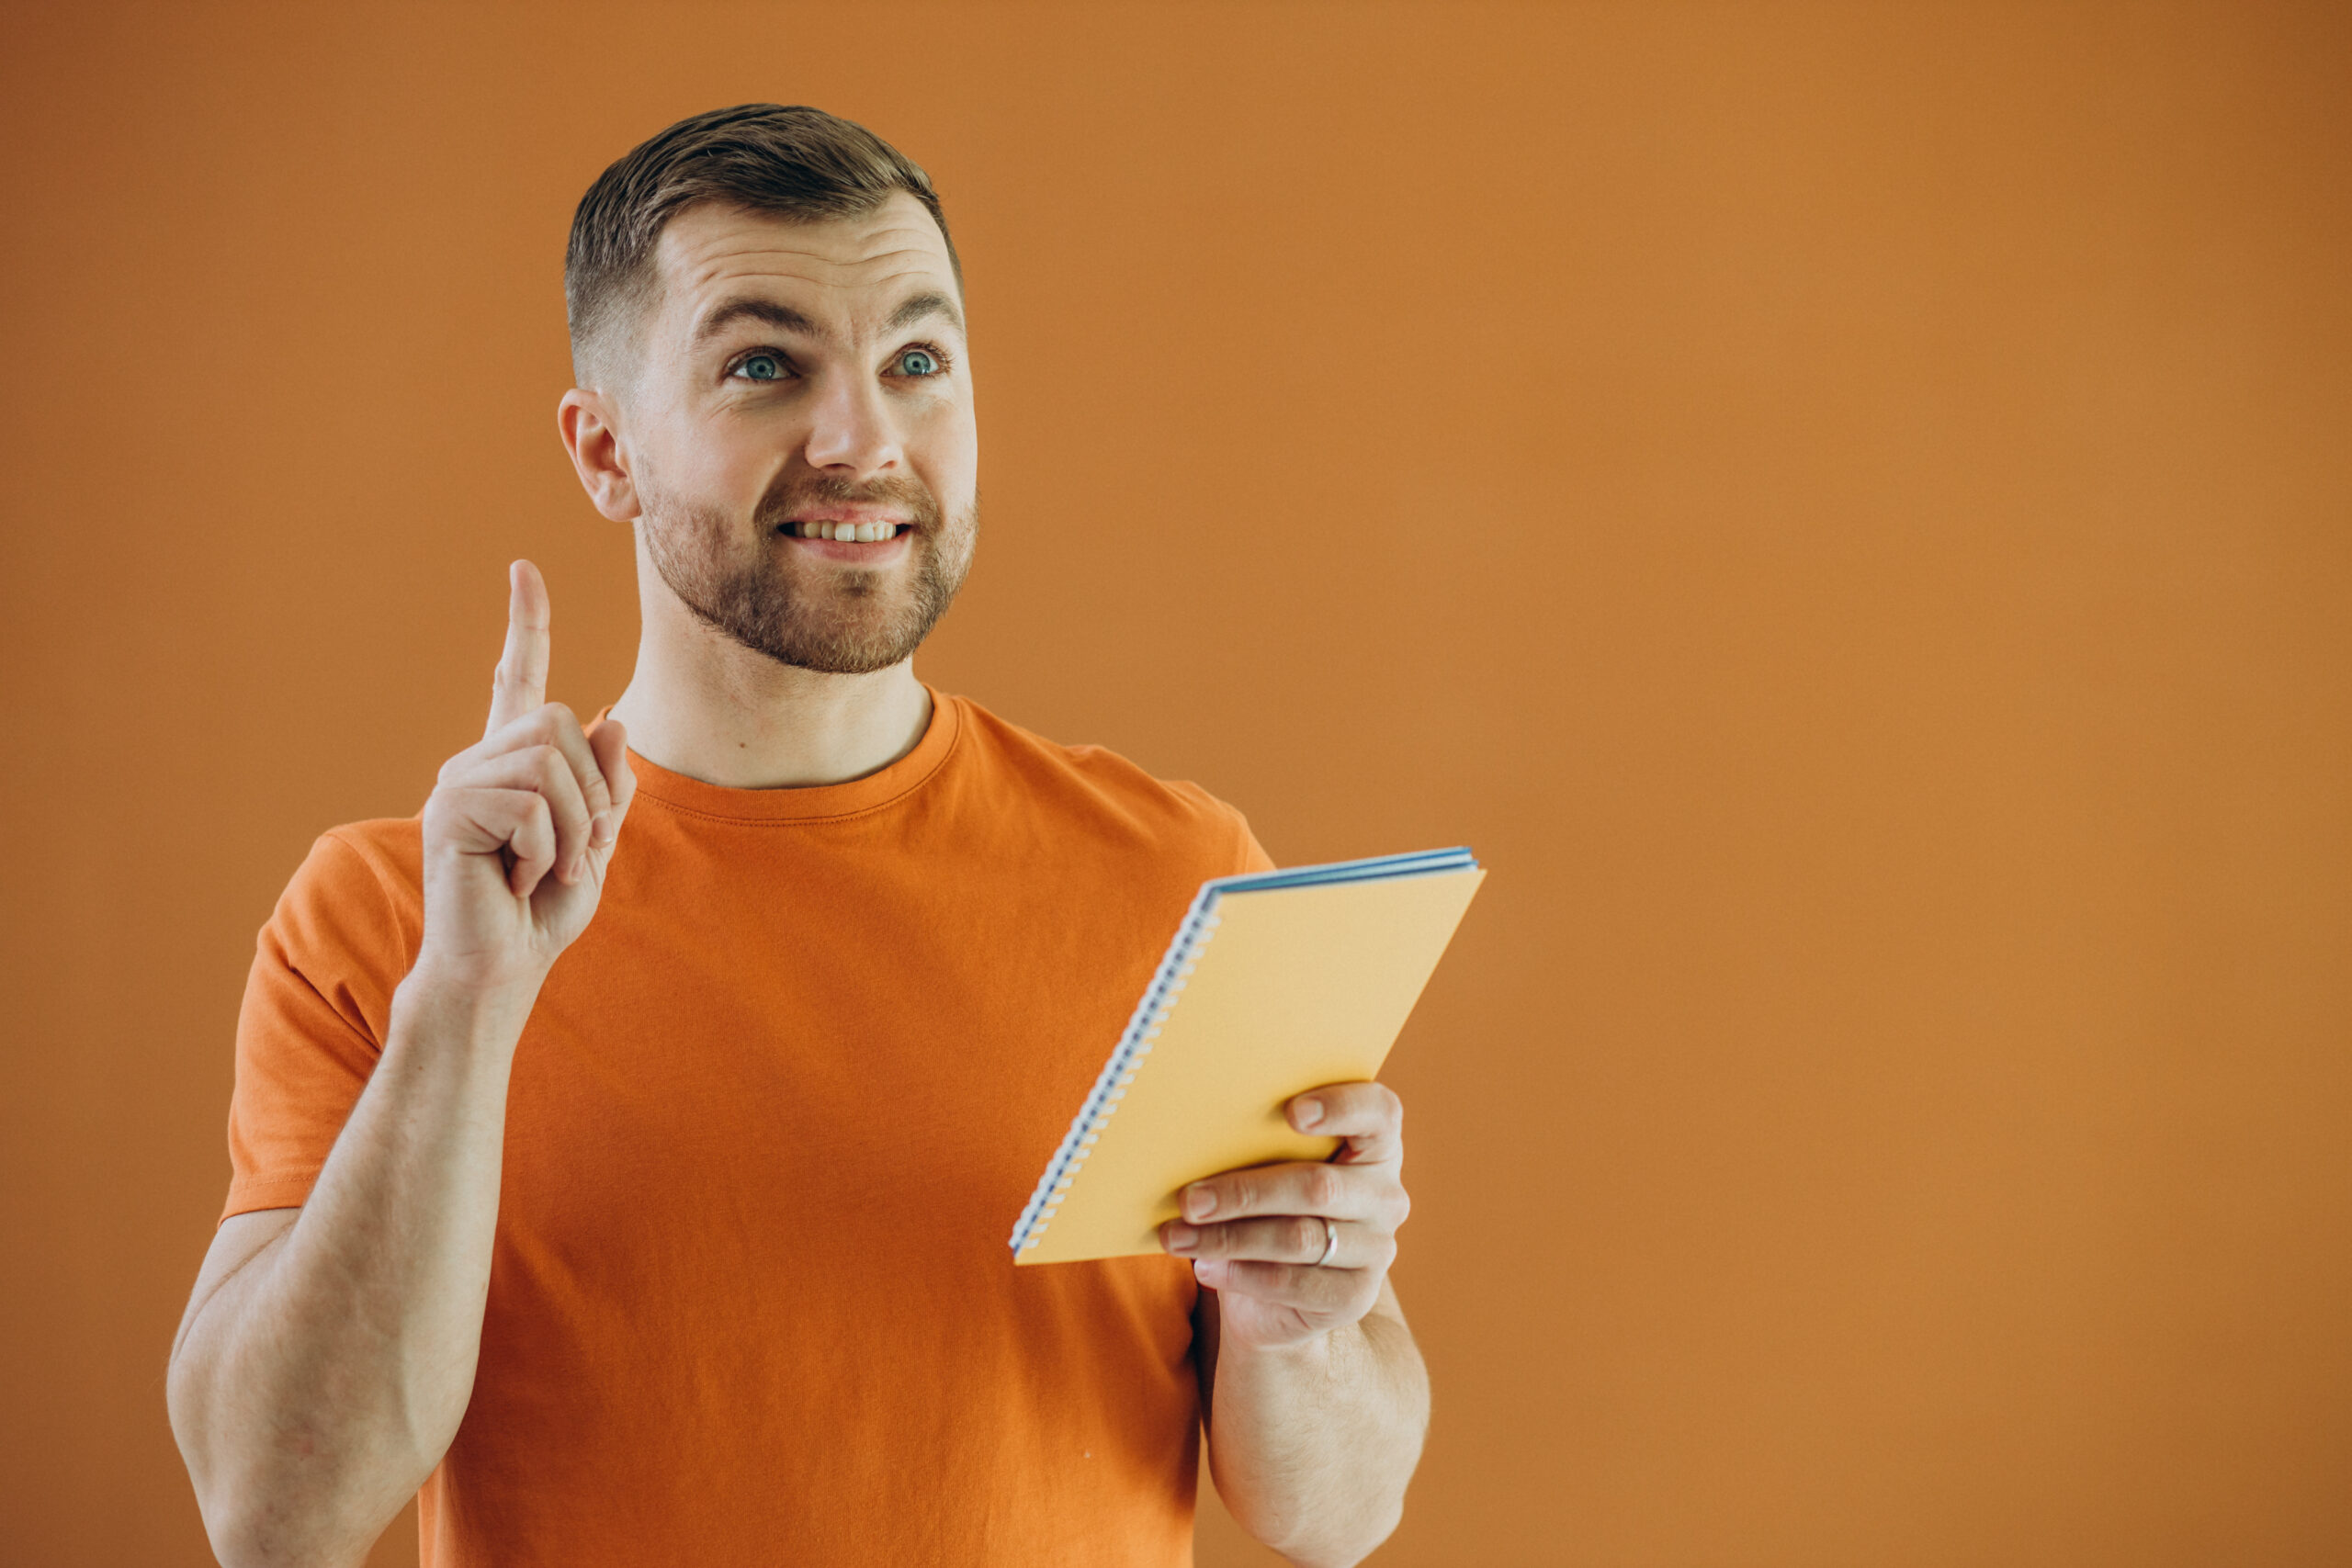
317, 1386
1312, 1446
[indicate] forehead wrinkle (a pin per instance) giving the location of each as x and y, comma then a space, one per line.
714, 268
721, 251
931, 300
893, 240
702, 266
714, 287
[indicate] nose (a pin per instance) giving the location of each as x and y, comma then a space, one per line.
853, 434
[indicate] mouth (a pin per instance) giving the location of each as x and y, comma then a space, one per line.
845, 531
877, 543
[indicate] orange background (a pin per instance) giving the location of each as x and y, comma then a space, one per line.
1848, 509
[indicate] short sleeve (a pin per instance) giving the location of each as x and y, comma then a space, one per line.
1239, 851
317, 1003
1251, 856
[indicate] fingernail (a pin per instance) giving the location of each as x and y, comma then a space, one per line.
1199, 1202
1307, 1112
1209, 1270
1181, 1237
600, 832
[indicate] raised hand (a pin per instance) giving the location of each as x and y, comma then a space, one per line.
1297, 1250
521, 828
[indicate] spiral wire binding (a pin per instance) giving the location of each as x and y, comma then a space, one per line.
1159, 998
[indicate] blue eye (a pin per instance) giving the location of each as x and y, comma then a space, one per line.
761, 367
918, 362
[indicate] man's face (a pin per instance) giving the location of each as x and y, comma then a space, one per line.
799, 380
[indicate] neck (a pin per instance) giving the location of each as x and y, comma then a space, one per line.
702, 704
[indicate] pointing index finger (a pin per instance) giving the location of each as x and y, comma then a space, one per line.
520, 684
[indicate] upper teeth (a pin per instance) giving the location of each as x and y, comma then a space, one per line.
861, 533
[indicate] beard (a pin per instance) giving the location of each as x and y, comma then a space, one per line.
812, 614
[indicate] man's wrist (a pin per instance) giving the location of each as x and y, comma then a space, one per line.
1312, 1357
456, 1005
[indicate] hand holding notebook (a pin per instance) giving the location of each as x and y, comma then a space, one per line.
1275, 983
1296, 1249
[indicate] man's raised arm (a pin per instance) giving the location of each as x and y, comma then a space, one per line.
328, 1352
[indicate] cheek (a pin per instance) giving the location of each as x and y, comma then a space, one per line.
718, 468
740, 458
947, 448
707, 483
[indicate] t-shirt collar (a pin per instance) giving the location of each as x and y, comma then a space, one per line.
810, 802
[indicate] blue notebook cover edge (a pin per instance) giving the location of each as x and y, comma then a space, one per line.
1374, 867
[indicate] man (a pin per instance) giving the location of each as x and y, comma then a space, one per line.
625, 1148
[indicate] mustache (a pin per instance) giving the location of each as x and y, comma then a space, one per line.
792, 494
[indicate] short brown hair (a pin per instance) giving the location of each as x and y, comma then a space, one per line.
789, 160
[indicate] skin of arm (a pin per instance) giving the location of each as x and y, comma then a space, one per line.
1313, 1391
327, 1353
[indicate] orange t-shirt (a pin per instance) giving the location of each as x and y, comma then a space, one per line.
769, 1128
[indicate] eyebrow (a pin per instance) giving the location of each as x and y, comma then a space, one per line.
931, 302
766, 310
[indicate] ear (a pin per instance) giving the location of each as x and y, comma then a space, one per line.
591, 434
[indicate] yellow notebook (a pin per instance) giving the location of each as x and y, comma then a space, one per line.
1275, 982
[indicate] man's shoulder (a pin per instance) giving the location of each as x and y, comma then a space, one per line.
385, 852
1091, 786
361, 887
